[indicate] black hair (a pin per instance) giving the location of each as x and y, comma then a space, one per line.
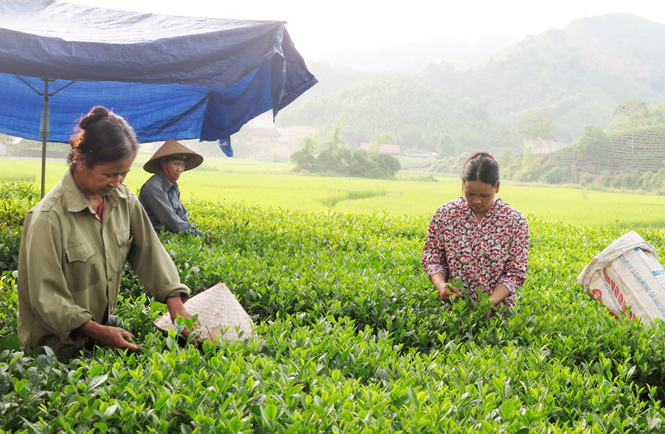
483, 167
179, 157
102, 137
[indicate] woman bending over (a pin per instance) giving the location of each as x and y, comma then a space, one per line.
478, 239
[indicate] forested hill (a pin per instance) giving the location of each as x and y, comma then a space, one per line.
412, 113
580, 74
622, 43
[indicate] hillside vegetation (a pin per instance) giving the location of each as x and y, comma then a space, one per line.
579, 74
641, 150
403, 107
629, 160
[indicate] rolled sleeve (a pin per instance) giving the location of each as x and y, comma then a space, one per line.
73, 322
171, 290
512, 284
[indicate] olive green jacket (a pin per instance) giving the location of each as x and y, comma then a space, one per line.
71, 262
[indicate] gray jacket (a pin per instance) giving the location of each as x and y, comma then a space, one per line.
160, 198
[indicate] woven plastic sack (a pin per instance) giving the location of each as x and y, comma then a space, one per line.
627, 278
220, 314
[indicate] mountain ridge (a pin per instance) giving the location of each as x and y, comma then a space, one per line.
578, 75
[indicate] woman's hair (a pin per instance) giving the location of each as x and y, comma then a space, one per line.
482, 167
179, 157
102, 137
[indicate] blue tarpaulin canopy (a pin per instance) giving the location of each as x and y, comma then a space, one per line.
178, 77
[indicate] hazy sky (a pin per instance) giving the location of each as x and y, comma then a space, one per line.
318, 27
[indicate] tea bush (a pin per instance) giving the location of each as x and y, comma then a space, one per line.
352, 339
16, 199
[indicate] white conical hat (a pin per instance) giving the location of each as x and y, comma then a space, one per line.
220, 314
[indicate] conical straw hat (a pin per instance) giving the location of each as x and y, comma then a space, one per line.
220, 314
171, 147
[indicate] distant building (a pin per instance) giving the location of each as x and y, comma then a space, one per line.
262, 129
264, 120
430, 155
544, 146
299, 132
264, 134
384, 149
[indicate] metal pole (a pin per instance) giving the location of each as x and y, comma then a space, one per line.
45, 121
44, 129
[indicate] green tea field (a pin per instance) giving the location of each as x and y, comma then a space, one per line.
350, 335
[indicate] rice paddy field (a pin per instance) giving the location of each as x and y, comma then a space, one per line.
234, 181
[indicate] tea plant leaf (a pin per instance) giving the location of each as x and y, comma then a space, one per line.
98, 381
235, 425
101, 426
508, 410
19, 387
110, 411
10, 342
96, 370
271, 411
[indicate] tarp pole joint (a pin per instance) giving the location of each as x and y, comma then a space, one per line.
45, 119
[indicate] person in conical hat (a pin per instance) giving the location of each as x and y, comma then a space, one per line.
160, 195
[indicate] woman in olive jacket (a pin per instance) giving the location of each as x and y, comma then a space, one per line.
77, 239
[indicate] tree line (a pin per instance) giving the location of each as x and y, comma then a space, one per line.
628, 154
333, 157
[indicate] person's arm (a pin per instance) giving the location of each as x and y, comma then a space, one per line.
499, 294
434, 260
443, 290
516, 265
177, 308
158, 202
153, 265
184, 216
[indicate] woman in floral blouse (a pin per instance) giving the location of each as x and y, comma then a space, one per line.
477, 238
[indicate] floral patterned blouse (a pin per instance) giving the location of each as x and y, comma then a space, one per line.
480, 254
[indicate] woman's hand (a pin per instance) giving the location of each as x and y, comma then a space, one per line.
443, 289
446, 291
108, 336
177, 307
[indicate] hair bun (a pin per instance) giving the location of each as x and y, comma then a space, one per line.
94, 115
102, 137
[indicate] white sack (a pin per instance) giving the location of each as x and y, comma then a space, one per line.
627, 276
